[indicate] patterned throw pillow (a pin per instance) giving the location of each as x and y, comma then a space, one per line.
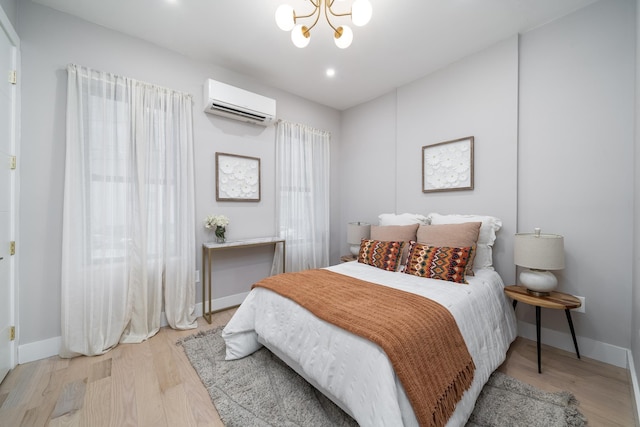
435, 262
452, 235
384, 255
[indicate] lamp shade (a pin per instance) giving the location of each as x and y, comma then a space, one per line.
539, 251
356, 231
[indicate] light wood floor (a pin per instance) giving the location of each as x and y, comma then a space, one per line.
153, 384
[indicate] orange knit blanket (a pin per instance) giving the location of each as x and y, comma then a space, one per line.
420, 337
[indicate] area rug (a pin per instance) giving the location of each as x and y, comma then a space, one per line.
260, 390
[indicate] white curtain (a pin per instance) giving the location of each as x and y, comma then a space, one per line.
302, 196
128, 245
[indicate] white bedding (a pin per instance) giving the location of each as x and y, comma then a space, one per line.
353, 371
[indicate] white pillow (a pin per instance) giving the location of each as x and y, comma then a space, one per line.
402, 219
486, 236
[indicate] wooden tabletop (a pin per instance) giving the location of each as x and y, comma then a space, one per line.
556, 300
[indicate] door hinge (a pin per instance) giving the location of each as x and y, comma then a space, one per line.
13, 77
12, 248
12, 333
13, 162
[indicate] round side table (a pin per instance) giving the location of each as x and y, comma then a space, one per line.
555, 300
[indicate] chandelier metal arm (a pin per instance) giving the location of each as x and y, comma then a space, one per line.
327, 11
307, 30
328, 5
316, 8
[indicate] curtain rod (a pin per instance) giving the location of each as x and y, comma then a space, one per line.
83, 72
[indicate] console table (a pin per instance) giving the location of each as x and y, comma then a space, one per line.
207, 256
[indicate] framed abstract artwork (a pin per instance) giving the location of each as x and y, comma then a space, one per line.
237, 178
448, 165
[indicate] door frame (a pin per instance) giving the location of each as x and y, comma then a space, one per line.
7, 28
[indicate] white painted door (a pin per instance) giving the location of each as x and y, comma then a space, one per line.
8, 93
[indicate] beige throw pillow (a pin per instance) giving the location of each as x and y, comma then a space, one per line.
395, 233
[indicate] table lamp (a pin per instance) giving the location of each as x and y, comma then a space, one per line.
539, 253
356, 231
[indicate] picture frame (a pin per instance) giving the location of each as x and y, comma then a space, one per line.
237, 178
448, 165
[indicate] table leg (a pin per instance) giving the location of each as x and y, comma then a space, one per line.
538, 337
284, 255
573, 333
206, 280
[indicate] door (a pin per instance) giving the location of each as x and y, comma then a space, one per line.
8, 188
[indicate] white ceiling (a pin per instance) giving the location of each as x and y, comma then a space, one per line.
405, 40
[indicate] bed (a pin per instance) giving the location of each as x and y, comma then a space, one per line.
356, 373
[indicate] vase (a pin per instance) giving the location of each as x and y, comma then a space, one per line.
220, 237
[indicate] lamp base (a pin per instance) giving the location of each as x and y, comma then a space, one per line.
538, 282
538, 294
354, 249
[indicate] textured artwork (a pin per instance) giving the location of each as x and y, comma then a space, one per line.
448, 166
237, 178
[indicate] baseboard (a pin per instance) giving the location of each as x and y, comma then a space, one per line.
51, 347
222, 303
39, 350
592, 349
635, 387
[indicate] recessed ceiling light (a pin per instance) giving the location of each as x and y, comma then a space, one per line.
331, 72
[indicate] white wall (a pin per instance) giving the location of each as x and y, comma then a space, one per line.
9, 8
576, 158
367, 163
51, 40
383, 140
477, 96
553, 120
635, 308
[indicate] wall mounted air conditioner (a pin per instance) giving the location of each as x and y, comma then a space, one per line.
229, 101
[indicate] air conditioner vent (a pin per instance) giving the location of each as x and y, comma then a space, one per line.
232, 102
236, 111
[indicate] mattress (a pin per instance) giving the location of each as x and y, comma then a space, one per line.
356, 373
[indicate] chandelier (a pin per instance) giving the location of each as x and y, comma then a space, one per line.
288, 20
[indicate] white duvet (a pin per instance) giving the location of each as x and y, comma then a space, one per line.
354, 372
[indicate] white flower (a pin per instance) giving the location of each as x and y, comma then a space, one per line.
252, 178
461, 166
233, 190
239, 174
433, 158
227, 166
213, 221
446, 160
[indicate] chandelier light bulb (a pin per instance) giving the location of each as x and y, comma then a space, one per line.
361, 12
343, 37
285, 17
298, 38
